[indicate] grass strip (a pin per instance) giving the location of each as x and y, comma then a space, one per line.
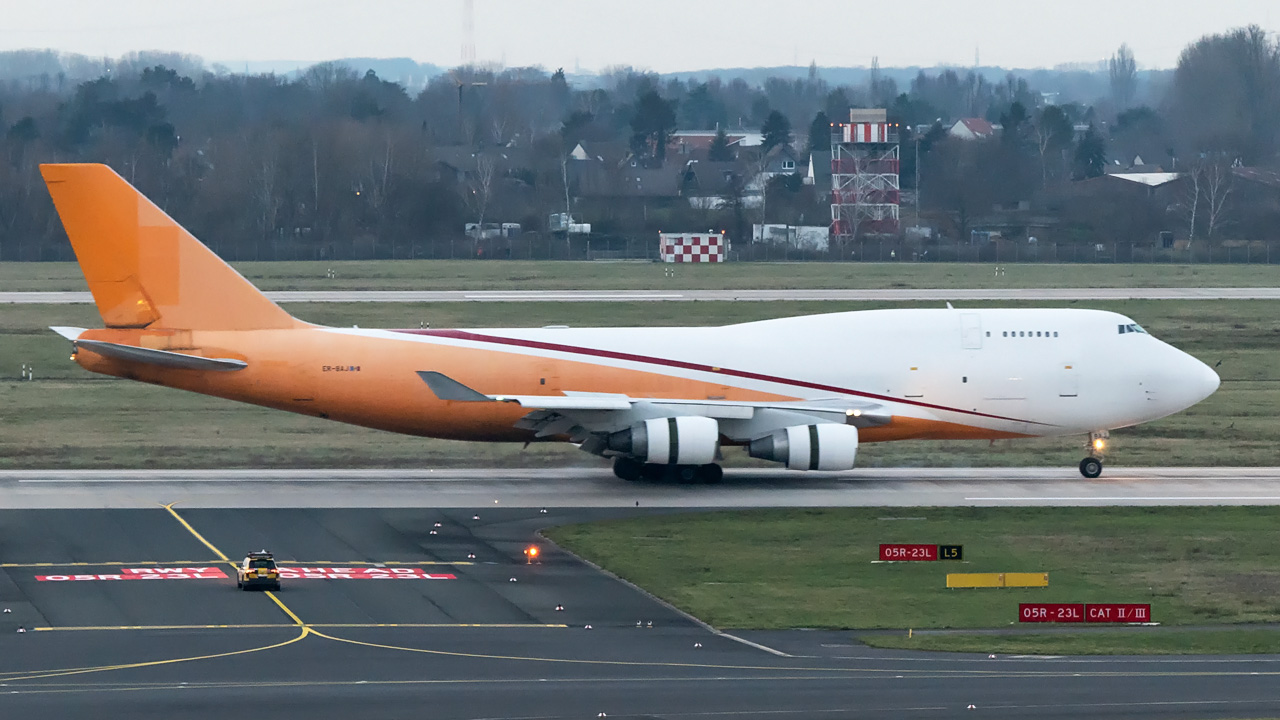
643, 275
1144, 641
770, 569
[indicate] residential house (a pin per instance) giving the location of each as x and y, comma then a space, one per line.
819, 172
711, 185
696, 144
972, 129
1137, 166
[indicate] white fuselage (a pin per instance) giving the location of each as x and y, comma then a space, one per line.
1025, 371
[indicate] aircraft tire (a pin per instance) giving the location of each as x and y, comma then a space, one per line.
628, 469
653, 472
687, 474
1091, 467
710, 474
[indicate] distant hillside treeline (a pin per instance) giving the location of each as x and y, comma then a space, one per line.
335, 162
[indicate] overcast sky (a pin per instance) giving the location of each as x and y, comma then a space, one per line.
660, 35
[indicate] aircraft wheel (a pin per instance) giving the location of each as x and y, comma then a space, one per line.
1091, 467
653, 472
710, 474
628, 469
687, 474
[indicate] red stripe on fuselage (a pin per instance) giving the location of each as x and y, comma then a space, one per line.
614, 355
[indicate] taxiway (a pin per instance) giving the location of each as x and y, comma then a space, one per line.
483, 638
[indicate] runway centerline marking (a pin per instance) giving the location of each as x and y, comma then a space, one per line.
297, 621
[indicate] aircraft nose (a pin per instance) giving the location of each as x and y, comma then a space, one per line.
1191, 380
1206, 381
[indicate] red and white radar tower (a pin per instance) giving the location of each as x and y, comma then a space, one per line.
864, 176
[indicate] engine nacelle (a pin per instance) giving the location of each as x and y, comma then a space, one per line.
809, 447
670, 441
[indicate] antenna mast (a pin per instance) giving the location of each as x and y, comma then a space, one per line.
468, 32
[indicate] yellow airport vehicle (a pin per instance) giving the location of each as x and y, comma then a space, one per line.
258, 570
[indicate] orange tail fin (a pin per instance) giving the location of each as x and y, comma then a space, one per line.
144, 269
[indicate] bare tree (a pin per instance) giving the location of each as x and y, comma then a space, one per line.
1217, 188
379, 187
1191, 204
1226, 95
1123, 70
1053, 134
480, 186
268, 201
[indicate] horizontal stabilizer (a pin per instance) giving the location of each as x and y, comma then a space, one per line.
70, 333
163, 358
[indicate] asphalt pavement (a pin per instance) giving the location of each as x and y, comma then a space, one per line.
595, 486
419, 610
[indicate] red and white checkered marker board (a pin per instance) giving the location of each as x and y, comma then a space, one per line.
691, 248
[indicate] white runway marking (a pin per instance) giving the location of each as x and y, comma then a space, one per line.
597, 487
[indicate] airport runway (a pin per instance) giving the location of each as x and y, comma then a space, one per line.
597, 488
880, 295
474, 637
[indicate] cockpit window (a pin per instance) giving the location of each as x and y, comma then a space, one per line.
1132, 328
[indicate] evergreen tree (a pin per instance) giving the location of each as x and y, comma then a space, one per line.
776, 131
654, 120
1091, 155
1013, 123
820, 133
720, 150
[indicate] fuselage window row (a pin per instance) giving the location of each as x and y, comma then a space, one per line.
1036, 333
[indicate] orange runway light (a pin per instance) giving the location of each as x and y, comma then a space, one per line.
531, 553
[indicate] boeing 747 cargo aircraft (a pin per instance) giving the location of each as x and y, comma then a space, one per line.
660, 401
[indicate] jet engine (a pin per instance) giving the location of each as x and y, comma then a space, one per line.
670, 441
809, 447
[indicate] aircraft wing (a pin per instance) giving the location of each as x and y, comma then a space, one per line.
580, 414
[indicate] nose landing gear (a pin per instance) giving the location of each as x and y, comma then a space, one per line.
1091, 467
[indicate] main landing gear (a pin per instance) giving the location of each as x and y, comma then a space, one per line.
633, 470
1091, 467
